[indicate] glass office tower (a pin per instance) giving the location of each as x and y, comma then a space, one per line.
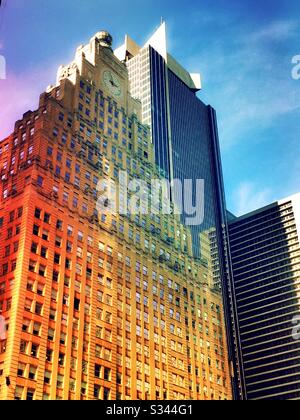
184, 129
265, 251
185, 138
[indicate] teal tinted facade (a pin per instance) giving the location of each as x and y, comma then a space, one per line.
185, 136
159, 110
194, 152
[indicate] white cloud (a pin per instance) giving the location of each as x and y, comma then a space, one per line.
249, 197
275, 31
255, 110
248, 81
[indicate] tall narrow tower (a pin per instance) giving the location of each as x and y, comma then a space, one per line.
97, 304
184, 134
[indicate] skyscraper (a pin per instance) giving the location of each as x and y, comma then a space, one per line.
265, 250
183, 129
184, 134
96, 304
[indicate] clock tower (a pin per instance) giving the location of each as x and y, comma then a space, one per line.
97, 64
111, 74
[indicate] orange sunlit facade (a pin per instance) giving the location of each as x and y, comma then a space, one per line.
98, 306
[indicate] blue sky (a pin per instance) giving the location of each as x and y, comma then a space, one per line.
242, 48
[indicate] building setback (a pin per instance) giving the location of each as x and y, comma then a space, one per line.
98, 306
265, 252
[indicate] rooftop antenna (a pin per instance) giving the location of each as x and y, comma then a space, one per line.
161, 19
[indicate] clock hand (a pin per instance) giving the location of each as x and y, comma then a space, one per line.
112, 82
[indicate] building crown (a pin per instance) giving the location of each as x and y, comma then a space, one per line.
105, 39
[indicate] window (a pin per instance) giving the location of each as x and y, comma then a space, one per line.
83, 388
28, 305
59, 225
61, 359
47, 218
55, 276
42, 270
107, 374
50, 334
47, 378
43, 252
23, 347
30, 285
45, 235
38, 308
30, 395
76, 304
49, 354
106, 394
52, 315
21, 370
97, 371
26, 325
19, 393
7, 250
60, 381
11, 216
36, 230
97, 390
34, 350
36, 329
57, 171
32, 373
40, 181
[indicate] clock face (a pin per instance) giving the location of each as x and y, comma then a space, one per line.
112, 83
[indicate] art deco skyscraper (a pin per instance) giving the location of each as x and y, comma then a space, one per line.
265, 251
98, 306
